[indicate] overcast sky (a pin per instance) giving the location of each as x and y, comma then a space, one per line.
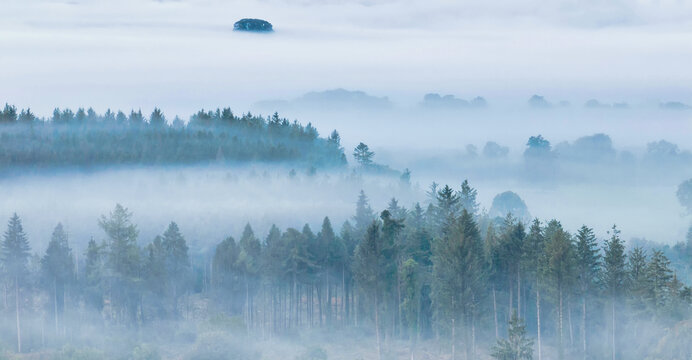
182, 55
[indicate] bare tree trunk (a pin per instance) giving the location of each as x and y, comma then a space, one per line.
583, 326
343, 295
559, 312
247, 305
538, 320
454, 340
518, 292
511, 299
473, 335
569, 320
329, 301
19, 329
398, 302
55, 304
377, 327
613, 323
497, 332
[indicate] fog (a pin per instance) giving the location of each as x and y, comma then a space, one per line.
208, 202
287, 197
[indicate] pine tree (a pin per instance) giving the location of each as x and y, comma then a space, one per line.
638, 282
364, 214
533, 264
177, 262
447, 205
659, 275
123, 262
93, 271
467, 198
559, 271
458, 278
370, 271
227, 282
614, 279
363, 155
57, 267
250, 259
157, 118
588, 273
14, 254
409, 276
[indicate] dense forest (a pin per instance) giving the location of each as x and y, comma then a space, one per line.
87, 139
441, 279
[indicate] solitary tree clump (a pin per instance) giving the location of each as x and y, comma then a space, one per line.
363, 155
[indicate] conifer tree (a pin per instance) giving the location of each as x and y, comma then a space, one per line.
467, 198
370, 269
123, 261
250, 260
614, 279
588, 274
14, 254
559, 270
659, 275
638, 283
458, 278
517, 346
93, 271
533, 264
57, 267
364, 214
177, 262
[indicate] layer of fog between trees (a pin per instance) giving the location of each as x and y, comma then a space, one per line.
214, 200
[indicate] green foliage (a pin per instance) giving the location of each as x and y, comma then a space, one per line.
517, 345
587, 260
14, 250
86, 139
614, 270
363, 155
458, 275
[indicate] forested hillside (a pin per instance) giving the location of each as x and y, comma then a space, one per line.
87, 139
440, 280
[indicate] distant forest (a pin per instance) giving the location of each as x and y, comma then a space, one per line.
87, 139
442, 273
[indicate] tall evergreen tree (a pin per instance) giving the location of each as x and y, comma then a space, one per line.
57, 267
250, 260
123, 262
364, 214
467, 198
93, 272
458, 276
559, 270
588, 274
14, 254
659, 275
177, 262
533, 264
370, 270
614, 279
